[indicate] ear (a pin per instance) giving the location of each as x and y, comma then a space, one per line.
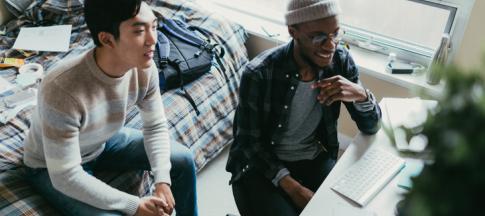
106, 39
292, 31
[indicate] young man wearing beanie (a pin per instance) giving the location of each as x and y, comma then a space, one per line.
78, 127
285, 126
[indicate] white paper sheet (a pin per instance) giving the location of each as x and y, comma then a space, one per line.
51, 38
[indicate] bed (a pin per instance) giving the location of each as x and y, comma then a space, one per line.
205, 135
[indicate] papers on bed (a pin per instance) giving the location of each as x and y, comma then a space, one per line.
409, 113
13, 100
5, 85
12, 104
51, 38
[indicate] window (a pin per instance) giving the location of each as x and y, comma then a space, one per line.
407, 20
410, 28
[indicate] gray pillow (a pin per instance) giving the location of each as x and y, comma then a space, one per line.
17, 7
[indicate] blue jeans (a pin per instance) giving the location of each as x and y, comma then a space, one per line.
125, 152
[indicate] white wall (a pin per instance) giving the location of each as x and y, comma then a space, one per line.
471, 54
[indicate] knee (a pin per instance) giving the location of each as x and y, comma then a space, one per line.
183, 160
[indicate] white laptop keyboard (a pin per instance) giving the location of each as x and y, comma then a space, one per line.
368, 175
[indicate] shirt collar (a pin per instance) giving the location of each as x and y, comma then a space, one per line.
289, 65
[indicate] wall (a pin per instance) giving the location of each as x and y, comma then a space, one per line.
471, 54
257, 44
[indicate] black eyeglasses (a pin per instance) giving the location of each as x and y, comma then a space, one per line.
320, 39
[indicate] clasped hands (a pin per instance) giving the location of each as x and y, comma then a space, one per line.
161, 203
338, 88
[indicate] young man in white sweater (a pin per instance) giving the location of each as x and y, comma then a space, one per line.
78, 126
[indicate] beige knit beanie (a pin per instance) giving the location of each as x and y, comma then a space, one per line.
299, 11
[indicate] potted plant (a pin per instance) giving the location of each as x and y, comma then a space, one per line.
454, 182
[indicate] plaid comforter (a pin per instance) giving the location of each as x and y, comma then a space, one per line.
206, 134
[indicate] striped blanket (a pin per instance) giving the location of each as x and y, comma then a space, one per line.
205, 134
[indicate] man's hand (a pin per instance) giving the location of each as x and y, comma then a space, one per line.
297, 192
162, 190
337, 88
151, 206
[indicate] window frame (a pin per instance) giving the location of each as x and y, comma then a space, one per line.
459, 14
382, 44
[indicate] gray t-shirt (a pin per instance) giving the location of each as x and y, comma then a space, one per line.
297, 141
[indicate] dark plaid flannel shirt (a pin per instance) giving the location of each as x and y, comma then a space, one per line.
267, 88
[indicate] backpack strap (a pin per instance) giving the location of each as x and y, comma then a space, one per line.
212, 47
218, 53
176, 64
163, 47
221, 65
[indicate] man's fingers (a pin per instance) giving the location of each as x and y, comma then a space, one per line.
170, 202
333, 98
320, 84
331, 79
165, 193
325, 94
168, 209
159, 202
331, 82
325, 82
161, 206
160, 212
152, 206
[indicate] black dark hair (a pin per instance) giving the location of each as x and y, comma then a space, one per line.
107, 15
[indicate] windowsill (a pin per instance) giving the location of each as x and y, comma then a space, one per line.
374, 64
370, 63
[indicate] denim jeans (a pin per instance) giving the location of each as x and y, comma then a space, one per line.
125, 152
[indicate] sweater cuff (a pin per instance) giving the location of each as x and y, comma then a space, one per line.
281, 174
132, 205
162, 177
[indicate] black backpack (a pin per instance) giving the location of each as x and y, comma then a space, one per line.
182, 56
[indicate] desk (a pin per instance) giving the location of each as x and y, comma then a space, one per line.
326, 202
